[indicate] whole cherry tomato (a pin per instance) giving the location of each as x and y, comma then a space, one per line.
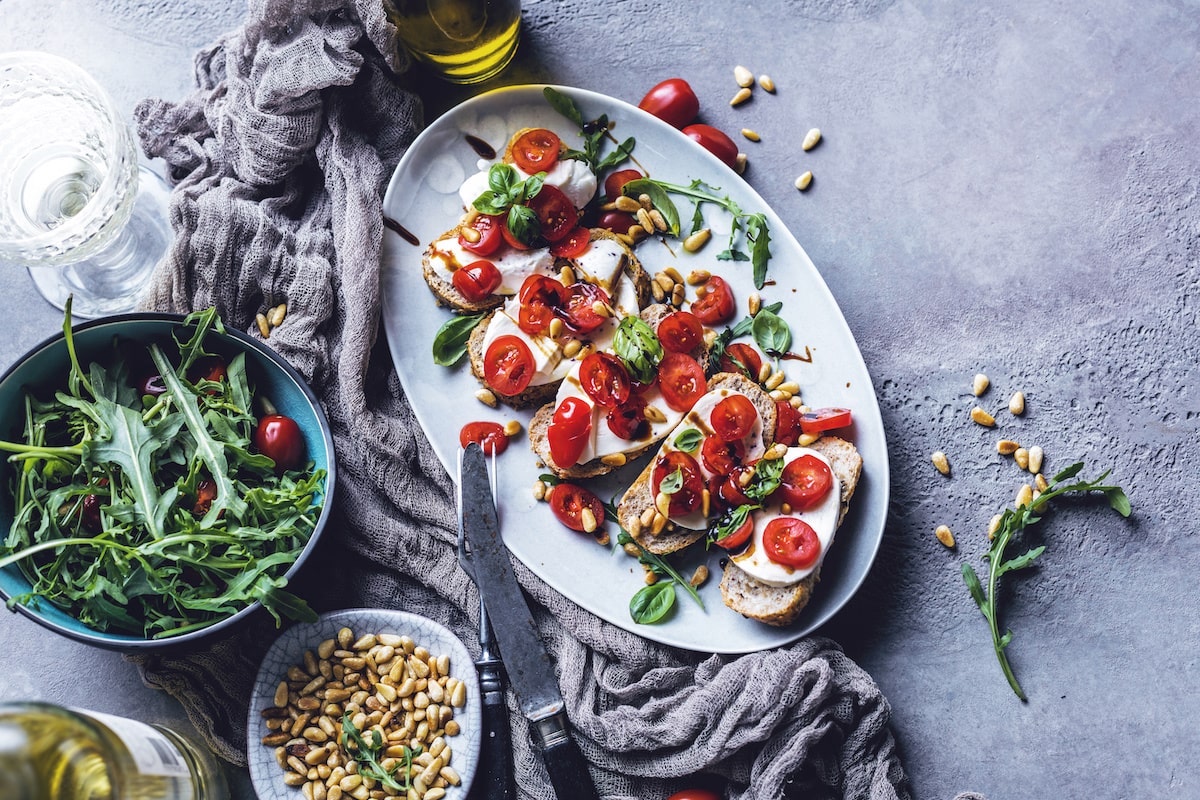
672, 101
681, 332
279, 438
714, 141
569, 431
490, 236
477, 280
536, 150
568, 502
792, 542
717, 305
805, 482
490, 436
508, 365
616, 181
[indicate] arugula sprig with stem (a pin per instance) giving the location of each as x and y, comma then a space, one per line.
369, 754
1013, 522
593, 132
768, 473
744, 327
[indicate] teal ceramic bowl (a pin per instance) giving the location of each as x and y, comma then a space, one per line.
45, 367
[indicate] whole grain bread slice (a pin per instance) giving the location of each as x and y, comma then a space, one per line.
640, 495
443, 289
780, 605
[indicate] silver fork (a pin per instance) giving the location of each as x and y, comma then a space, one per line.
495, 778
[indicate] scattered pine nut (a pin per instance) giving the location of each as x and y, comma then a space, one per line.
539, 490
588, 520
277, 314
774, 381
1021, 456
673, 274
764, 372
643, 218
627, 204
766, 83
1035, 459
804, 181
805, 439
1016, 406
555, 328
743, 76
1006, 447
777, 450
1024, 495
699, 576
470, 234
650, 577
654, 414
600, 309
740, 163
566, 275
660, 222
614, 459
572, 348
980, 384
943, 534
512, 427
752, 135
941, 462
791, 387
263, 327
662, 503
982, 417
698, 276
1039, 482
486, 396
697, 240
811, 139
741, 96
994, 525
644, 201
754, 303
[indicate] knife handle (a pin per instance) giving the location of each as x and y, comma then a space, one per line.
495, 747
567, 767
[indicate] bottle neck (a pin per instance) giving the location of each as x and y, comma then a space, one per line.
17, 778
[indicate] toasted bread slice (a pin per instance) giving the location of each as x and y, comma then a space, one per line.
534, 395
780, 605
640, 495
443, 289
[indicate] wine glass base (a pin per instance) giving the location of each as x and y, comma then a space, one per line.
113, 280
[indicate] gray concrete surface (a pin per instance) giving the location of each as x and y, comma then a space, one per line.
1007, 188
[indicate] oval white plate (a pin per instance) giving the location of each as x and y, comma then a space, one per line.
423, 198
288, 649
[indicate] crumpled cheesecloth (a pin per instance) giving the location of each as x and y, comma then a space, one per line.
280, 159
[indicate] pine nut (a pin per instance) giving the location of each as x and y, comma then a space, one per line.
804, 180
811, 139
699, 576
1006, 447
994, 526
805, 439
643, 218
774, 381
754, 303
777, 450
512, 427
743, 76
588, 520
694, 242
650, 578
486, 396
1016, 406
764, 372
941, 462
982, 417
1021, 456
980, 384
647, 518
796, 402
654, 414
1035, 459
600, 308
741, 96
281, 695
791, 387
705, 502
657, 291
678, 295
660, 522
660, 222
263, 328
1024, 495
277, 315
740, 163
555, 328
566, 276
1039, 482
572, 348
752, 135
779, 395
943, 534
614, 459
697, 277
627, 204
662, 503
470, 234
766, 83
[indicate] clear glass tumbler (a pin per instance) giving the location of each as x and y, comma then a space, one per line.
76, 207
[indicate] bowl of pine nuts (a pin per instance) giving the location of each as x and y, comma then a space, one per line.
364, 704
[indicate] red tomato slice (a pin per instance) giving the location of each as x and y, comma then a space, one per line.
719, 456
824, 419
511, 240
717, 305
672, 101
605, 379
714, 141
787, 423
490, 237
628, 421
555, 212
616, 221
687, 497
805, 482
569, 431
488, 435
539, 296
728, 488
573, 244
615, 182
568, 501
536, 150
733, 418
508, 365
735, 540
741, 358
477, 280
579, 312
681, 381
681, 332
791, 542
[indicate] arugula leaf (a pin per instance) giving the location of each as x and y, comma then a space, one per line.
450, 342
563, 105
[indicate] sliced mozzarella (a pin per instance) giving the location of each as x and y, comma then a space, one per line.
569, 175
602, 263
447, 255
823, 519
547, 353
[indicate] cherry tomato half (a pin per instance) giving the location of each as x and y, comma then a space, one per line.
615, 182
720, 456
616, 221
579, 312
824, 419
733, 417
681, 381
716, 306
508, 365
206, 492
714, 141
575, 243
805, 482
787, 423
490, 436
539, 296
279, 438
686, 498
605, 379
568, 502
739, 537
792, 542
569, 431
207, 368
536, 150
741, 358
681, 332
629, 421
490, 238
728, 488
672, 101
477, 280
555, 212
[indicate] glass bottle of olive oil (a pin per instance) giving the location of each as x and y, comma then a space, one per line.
53, 753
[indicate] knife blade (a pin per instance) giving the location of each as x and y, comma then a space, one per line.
521, 649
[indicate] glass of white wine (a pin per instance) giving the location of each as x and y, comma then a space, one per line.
76, 207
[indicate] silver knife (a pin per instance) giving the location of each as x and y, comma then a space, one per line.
524, 655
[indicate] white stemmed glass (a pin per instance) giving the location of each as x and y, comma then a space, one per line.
75, 206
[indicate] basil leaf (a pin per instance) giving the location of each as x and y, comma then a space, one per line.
503, 179
658, 198
767, 477
729, 522
689, 440
490, 203
771, 333
672, 483
638, 347
563, 105
450, 342
651, 603
523, 224
531, 187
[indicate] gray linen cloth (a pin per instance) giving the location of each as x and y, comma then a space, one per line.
280, 159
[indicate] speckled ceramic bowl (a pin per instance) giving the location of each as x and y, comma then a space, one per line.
288, 650
44, 368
